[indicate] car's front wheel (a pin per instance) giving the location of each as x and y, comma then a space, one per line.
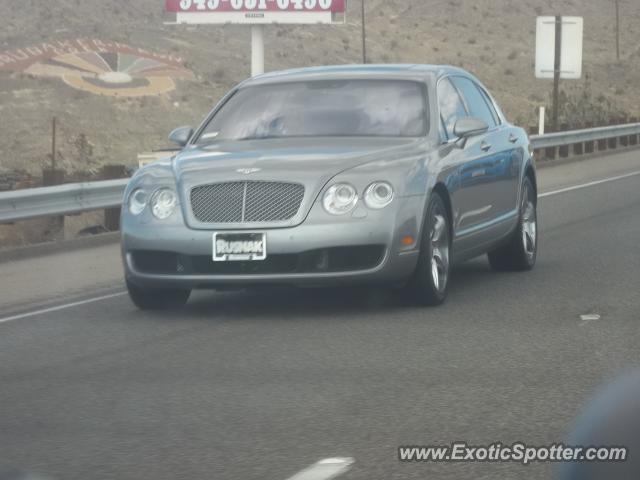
431, 278
157, 298
522, 250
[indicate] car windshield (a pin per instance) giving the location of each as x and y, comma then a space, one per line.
345, 108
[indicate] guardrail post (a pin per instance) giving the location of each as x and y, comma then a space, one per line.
578, 148
624, 140
563, 151
633, 139
602, 145
112, 215
55, 224
550, 152
589, 147
612, 143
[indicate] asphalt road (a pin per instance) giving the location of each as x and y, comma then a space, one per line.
243, 386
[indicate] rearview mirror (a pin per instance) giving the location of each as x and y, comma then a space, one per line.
181, 135
469, 126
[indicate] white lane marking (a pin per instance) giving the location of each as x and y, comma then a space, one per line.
588, 318
590, 184
325, 469
61, 307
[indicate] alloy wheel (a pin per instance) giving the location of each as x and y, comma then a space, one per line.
529, 223
439, 250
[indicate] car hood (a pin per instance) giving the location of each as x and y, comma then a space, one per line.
310, 162
281, 159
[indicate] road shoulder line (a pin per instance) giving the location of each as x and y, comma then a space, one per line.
588, 184
61, 307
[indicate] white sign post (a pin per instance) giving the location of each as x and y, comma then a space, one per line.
257, 50
257, 13
559, 52
541, 121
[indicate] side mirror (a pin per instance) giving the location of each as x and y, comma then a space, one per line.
180, 136
469, 126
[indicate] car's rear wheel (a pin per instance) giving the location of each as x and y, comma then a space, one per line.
431, 278
157, 298
522, 250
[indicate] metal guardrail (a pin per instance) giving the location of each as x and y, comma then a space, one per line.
61, 199
561, 139
79, 197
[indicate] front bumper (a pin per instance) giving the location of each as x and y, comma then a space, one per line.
293, 253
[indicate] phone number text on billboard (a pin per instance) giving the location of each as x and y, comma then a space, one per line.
255, 5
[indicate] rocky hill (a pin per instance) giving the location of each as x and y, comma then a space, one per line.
87, 62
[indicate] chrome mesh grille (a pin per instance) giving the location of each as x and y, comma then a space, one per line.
246, 202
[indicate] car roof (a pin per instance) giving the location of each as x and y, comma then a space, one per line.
381, 71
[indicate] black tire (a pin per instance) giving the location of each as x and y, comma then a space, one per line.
434, 261
521, 252
157, 298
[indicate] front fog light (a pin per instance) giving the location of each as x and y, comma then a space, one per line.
340, 199
378, 195
163, 203
137, 201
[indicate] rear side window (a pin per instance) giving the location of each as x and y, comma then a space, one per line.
475, 101
451, 106
492, 107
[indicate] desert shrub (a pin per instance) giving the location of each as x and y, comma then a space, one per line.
579, 106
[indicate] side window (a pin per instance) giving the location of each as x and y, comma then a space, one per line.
475, 101
451, 106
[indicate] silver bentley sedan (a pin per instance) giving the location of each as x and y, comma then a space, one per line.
334, 176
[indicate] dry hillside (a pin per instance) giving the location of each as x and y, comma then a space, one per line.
492, 38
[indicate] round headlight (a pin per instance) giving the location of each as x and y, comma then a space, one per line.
378, 195
340, 199
137, 201
163, 203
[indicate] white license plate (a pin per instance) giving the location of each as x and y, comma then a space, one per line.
239, 246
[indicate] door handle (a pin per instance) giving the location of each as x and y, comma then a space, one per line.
513, 138
485, 147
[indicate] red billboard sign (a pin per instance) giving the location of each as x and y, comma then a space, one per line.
202, 6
